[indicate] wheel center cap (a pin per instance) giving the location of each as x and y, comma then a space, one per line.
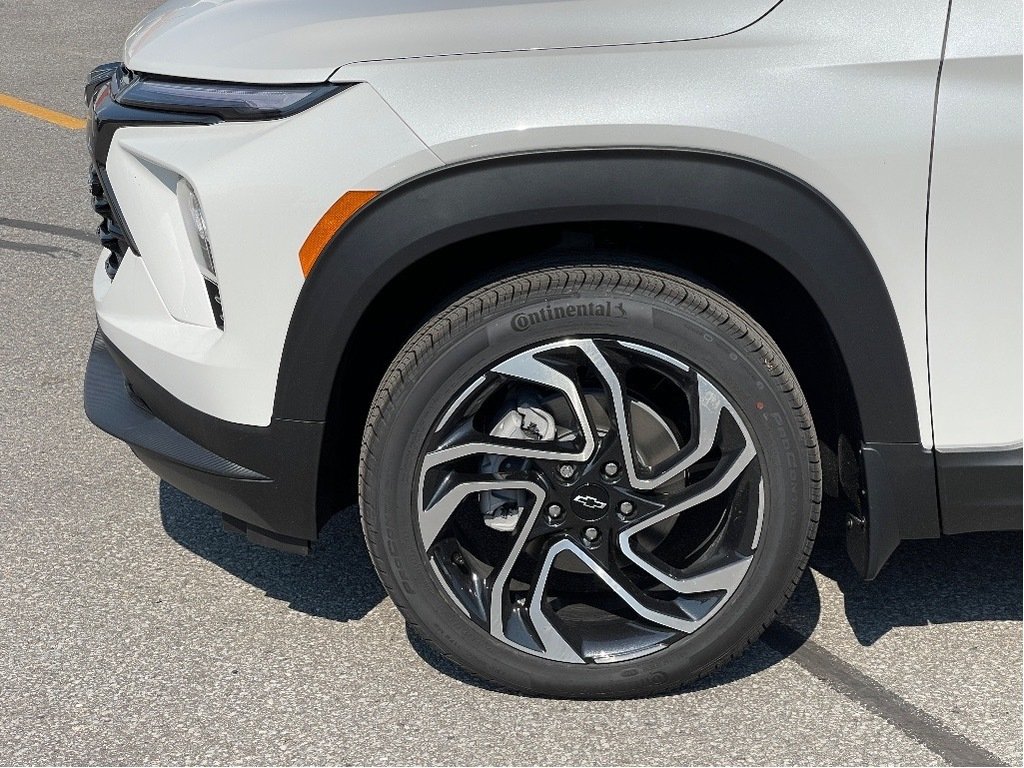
590, 501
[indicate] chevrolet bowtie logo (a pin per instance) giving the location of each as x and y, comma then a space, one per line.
590, 502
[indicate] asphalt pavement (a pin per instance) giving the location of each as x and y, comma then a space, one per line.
134, 630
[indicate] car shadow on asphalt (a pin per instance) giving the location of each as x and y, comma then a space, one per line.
966, 578
336, 581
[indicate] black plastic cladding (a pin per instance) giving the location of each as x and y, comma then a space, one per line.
265, 476
760, 206
742, 199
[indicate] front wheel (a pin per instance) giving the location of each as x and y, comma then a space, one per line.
590, 482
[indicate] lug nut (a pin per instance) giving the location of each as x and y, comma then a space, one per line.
626, 508
591, 534
611, 469
567, 471
555, 511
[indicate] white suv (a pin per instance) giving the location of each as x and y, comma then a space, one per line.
591, 302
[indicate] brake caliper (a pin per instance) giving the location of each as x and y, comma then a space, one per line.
501, 509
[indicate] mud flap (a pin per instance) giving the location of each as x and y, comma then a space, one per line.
898, 501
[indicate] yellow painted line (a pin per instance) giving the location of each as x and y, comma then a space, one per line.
49, 115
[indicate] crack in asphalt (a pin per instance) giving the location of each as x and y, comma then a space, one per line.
49, 229
54, 251
34, 247
844, 678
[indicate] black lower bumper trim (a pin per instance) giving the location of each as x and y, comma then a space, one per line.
263, 478
980, 490
111, 405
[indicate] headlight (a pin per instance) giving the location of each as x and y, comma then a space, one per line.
228, 101
98, 77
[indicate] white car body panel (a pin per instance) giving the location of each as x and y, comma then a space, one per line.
150, 201
304, 41
840, 95
974, 238
836, 99
263, 187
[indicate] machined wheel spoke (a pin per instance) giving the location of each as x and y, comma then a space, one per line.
724, 578
711, 403
625, 591
498, 582
555, 645
728, 577
434, 517
482, 445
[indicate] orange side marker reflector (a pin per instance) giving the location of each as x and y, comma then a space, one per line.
329, 224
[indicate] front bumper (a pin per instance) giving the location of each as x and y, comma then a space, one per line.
264, 185
263, 479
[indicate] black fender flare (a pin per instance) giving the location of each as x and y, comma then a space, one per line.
762, 206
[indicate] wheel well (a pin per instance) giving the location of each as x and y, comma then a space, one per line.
746, 276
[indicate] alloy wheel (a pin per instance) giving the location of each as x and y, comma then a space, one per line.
590, 500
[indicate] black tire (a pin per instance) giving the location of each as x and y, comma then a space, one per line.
716, 336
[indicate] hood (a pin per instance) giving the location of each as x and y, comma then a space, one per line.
305, 41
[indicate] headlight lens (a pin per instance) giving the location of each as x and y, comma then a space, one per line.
228, 101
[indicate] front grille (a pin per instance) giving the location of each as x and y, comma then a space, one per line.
112, 235
213, 291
